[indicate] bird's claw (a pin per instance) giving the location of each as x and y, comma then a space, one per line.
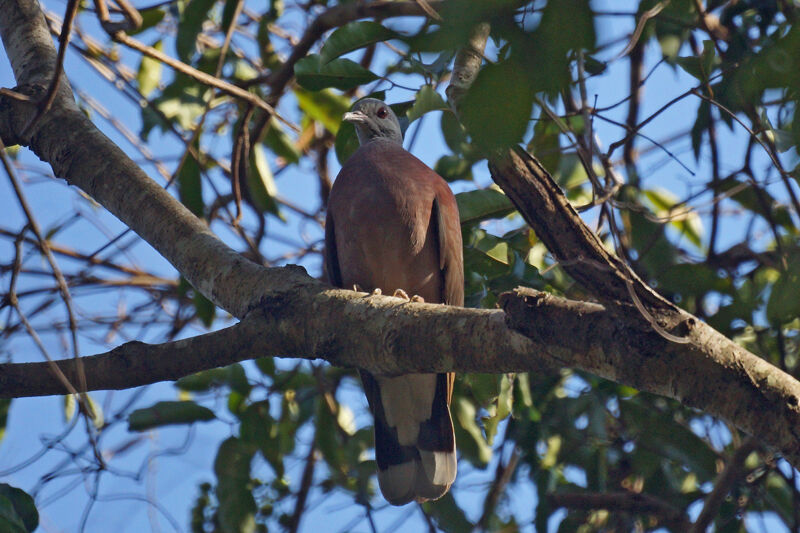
400, 293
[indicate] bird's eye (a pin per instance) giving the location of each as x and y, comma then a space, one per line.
382, 112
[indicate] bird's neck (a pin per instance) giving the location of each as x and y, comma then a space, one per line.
365, 139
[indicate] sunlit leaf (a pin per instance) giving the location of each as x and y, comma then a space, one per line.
427, 100
465, 414
678, 215
5, 405
483, 204
149, 74
261, 182
325, 107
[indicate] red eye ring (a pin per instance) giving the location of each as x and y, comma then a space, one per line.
382, 112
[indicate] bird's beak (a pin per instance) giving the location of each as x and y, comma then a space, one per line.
354, 116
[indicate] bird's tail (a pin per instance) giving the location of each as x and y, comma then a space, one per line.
414, 441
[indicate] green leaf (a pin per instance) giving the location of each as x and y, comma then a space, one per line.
453, 167
70, 407
454, 133
190, 185
203, 381
693, 279
681, 217
757, 201
699, 67
427, 100
545, 143
266, 365
168, 413
784, 304
497, 108
227, 13
260, 429
327, 436
352, 37
5, 405
659, 433
342, 74
261, 182
237, 507
150, 17
448, 515
189, 27
346, 142
17, 510
204, 308
474, 444
279, 142
326, 107
181, 102
149, 74
501, 408
784, 140
237, 379
97, 412
476, 206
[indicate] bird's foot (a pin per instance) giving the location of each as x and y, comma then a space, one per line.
400, 293
375, 292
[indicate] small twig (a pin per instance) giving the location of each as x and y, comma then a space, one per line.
637, 33
758, 139
202, 77
305, 485
132, 21
62, 283
223, 51
428, 9
241, 160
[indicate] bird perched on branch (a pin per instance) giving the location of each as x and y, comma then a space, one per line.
393, 224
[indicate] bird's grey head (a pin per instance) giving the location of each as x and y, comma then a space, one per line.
374, 119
